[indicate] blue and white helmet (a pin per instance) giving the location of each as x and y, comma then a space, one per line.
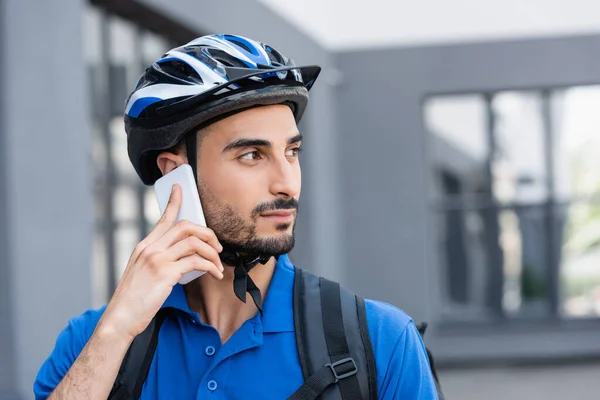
207, 79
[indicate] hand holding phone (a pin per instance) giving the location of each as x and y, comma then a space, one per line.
190, 210
170, 251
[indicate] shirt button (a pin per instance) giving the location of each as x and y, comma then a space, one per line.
212, 385
209, 351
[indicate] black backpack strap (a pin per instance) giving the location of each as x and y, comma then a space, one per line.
422, 328
136, 363
368, 347
333, 343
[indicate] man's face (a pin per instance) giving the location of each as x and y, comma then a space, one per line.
249, 179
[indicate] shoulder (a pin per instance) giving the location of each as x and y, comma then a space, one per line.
80, 328
401, 360
87, 320
391, 331
385, 318
69, 344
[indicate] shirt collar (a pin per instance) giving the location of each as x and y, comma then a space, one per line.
178, 300
278, 311
278, 314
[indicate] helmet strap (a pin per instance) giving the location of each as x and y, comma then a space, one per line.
191, 150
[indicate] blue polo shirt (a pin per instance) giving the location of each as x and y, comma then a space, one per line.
259, 361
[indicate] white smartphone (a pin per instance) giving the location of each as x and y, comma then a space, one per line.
190, 210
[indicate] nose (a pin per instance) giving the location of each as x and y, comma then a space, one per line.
285, 178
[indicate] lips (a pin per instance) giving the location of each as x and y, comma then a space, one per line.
280, 216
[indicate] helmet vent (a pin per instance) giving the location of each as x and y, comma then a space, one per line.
240, 44
181, 70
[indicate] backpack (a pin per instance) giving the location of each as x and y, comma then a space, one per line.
332, 338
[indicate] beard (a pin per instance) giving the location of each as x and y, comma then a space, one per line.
238, 233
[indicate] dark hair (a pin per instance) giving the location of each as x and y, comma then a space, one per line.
179, 148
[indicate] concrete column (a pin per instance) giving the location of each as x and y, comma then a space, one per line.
46, 212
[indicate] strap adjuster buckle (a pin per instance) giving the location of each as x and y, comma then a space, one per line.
344, 373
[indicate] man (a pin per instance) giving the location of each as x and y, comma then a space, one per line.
228, 106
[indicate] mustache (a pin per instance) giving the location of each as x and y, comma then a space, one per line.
279, 204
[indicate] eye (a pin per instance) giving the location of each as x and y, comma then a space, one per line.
293, 152
250, 156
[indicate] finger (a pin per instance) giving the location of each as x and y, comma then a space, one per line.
166, 221
184, 229
193, 245
197, 263
173, 205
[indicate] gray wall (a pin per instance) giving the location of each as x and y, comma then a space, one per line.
46, 207
7, 373
383, 180
388, 228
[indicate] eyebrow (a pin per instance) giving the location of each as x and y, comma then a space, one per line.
240, 143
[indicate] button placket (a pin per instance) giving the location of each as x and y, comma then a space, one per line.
249, 336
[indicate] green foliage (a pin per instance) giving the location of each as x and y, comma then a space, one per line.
533, 284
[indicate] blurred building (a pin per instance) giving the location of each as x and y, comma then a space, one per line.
457, 181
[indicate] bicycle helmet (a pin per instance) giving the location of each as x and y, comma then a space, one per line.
202, 81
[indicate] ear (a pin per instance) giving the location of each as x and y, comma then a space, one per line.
167, 161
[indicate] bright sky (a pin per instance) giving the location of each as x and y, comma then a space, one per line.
345, 24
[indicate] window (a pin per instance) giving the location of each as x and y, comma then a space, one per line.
116, 51
576, 165
515, 194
